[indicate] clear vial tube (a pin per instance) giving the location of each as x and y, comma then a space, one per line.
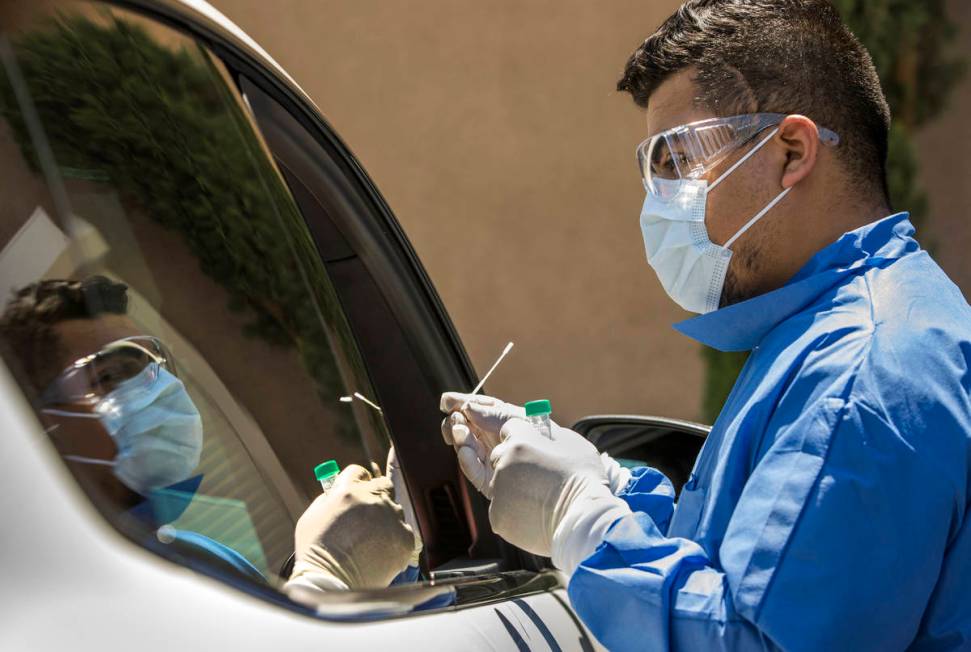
542, 423
538, 416
327, 483
326, 474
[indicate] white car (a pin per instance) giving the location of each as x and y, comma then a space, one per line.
153, 144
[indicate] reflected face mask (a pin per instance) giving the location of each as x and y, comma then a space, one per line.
156, 428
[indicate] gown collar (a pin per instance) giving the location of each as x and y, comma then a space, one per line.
165, 505
740, 327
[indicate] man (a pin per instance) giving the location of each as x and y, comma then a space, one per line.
125, 425
828, 509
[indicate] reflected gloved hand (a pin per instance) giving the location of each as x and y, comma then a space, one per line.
474, 432
551, 497
352, 537
403, 498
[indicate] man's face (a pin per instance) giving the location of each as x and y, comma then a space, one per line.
76, 339
737, 199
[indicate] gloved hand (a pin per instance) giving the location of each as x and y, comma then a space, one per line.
551, 496
403, 498
472, 453
352, 537
475, 432
618, 477
484, 416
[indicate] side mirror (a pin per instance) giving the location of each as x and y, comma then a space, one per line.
669, 445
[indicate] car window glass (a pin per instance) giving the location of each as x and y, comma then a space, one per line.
158, 279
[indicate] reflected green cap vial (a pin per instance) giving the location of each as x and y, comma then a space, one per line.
327, 470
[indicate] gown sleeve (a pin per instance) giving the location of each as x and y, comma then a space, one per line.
831, 546
651, 492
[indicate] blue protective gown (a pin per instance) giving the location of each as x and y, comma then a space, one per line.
167, 505
197, 550
828, 509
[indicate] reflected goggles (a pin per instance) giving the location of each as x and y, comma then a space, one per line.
692, 150
133, 362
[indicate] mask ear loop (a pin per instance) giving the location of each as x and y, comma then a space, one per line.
738, 163
765, 210
96, 461
758, 217
68, 413
81, 459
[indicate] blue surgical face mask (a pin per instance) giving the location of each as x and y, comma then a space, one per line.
156, 428
689, 265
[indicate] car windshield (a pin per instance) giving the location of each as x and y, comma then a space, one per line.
166, 304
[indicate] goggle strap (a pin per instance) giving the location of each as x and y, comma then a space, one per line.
132, 344
750, 153
758, 217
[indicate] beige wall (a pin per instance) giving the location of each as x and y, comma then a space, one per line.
495, 134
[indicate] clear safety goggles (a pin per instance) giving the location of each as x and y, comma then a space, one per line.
692, 150
122, 362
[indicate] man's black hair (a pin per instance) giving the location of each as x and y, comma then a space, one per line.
26, 322
774, 56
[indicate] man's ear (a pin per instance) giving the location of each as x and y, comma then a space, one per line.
800, 137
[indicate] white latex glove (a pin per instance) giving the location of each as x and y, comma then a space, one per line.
617, 476
551, 496
403, 498
472, 453
352, 537
475, 432
484, 416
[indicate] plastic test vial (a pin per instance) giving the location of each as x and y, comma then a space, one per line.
326, 473
538, 415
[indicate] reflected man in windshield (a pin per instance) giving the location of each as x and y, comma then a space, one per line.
118, 414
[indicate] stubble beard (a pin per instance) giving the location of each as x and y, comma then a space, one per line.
734, 290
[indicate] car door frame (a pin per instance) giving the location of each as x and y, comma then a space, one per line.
672, 445
395, 288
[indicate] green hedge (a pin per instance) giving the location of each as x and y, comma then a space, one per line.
157, 123
910, 41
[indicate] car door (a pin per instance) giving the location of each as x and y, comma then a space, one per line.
669, 445
152, 152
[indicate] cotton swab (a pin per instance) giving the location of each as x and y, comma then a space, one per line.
486, 377
360, 396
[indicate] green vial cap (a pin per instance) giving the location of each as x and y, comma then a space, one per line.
535, 408
326, 469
